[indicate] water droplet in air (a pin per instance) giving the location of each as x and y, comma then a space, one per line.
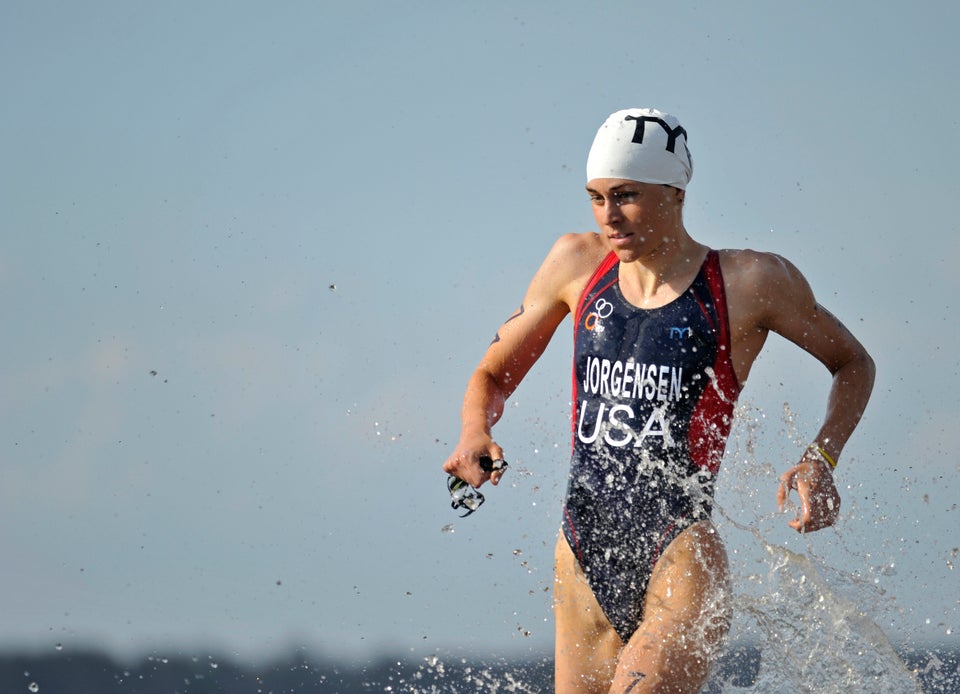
33, 687
448, 528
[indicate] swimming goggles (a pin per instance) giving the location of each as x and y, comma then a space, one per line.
463, 496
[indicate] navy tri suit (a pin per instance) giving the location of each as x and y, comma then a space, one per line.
654, 392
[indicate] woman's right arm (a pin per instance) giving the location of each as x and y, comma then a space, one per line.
517, 346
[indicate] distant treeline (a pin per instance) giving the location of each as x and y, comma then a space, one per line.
98, 673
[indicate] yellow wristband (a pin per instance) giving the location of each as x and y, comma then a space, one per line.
826, 456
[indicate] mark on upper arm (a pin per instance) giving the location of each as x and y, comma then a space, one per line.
517, 314
819, 307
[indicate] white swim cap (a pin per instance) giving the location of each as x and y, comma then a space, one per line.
641, 144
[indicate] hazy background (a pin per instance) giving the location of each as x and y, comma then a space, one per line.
250, 253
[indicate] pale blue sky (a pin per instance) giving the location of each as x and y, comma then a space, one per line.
308, 219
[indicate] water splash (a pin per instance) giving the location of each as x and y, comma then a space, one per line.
810, 621
435, 676
812, 639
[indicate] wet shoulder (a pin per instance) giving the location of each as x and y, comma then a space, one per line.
573, 260
585, 248
754, 269
756, 282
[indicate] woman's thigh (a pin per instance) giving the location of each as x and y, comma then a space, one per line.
685, 620
587, 645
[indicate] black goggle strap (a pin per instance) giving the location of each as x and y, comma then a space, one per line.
463, 496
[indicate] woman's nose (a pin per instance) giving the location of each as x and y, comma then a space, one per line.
611, 211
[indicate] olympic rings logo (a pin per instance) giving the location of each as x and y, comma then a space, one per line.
603, 308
